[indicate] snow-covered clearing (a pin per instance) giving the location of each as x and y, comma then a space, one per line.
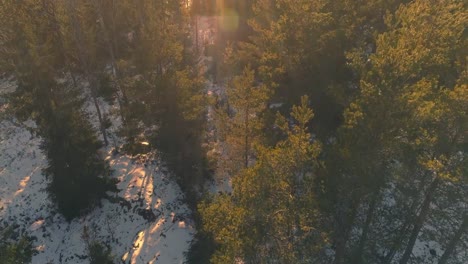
150, 224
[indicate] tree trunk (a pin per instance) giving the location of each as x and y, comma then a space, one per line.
98, 110
246, 147
141, 14
404, 228
420, 220
111, 48
455, 239
344, 232
85, 65
397, 241
107, 38
365, 230
196, 35
51, 9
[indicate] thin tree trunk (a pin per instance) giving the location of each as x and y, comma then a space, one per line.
101, 120
106, 36
196, 36
114, 40
403, 230
343, 236
51, 9
112, 52
85, 64
116, 52
397, 241
420, 220
365, 230
141, 13
246, 149
455, 239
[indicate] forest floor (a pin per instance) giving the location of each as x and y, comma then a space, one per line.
147, 222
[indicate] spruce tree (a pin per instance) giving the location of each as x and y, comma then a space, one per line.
78, 175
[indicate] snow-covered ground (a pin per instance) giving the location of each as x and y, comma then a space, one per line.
145, 190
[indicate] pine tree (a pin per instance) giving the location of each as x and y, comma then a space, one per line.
296, 49
163, 88
272, 212
240, 121
402, 115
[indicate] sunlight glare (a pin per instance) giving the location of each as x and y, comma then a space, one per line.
229, 21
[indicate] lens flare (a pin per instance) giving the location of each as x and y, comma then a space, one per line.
229, 21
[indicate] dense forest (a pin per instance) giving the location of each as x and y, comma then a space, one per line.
298, 131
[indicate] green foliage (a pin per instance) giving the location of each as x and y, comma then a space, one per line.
386, 79
201, 249
297, 49
272, 211
406, 92
100, 254
240, 121
404, 112
15, 252
164, 91
106, 90
79, 176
